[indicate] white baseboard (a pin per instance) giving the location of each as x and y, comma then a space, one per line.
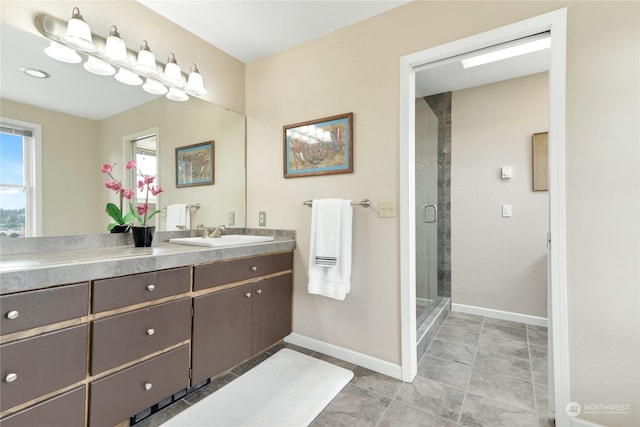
498, 314
360, 359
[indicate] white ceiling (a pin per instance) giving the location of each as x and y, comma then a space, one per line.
250, 30
247, 30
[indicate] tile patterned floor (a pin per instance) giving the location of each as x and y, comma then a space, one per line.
477, 372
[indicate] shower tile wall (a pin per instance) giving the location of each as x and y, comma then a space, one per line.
441, 106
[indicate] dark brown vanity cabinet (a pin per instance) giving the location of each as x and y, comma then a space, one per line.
43, 356
236, 321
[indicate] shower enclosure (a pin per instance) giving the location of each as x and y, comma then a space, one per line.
433, 224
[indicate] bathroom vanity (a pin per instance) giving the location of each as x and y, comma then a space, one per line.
100, 350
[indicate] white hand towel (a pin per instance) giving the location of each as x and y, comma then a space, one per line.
178, 214
330, 248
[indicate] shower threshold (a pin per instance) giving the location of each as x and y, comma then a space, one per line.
427, 331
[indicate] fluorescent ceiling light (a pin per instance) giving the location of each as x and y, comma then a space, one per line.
508, 52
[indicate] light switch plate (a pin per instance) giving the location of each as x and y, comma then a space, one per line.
387, 209
507, 172
231, 218
262, 219
506, 211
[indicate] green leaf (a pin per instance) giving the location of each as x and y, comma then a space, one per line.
134, 213
114, 212
152, 215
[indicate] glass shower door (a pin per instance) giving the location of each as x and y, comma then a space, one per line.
426, 198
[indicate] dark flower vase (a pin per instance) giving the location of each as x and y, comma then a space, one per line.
142, 236
121, 228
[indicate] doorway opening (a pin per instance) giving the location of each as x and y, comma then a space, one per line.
555, 23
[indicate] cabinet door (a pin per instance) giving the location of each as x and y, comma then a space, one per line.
221, 331
26, 310
271, 320
126, 337
117, 397
66, 410
39, 365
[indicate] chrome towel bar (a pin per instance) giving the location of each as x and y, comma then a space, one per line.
365, 203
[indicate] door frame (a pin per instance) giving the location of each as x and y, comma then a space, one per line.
556, 23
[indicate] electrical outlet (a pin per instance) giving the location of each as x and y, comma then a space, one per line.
387, 209
262, 219
231, 218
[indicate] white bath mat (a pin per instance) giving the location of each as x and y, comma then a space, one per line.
289, 389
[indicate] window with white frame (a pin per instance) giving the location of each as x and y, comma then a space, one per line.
20, 179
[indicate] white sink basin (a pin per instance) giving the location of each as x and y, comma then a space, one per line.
228, 240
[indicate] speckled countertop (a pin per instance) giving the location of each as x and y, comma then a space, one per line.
78, 263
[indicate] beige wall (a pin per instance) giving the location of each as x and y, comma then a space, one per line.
223, 75
498, 263
72, 200
357, 69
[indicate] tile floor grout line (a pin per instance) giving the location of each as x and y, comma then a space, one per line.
466, 389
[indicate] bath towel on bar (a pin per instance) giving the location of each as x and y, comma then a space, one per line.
178, 214
330, 248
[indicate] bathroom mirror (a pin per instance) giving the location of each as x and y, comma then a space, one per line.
78, 139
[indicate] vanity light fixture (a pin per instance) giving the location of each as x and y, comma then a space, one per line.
99, 67
128, 77
195, 86
62, 53
176, 94
154, 87
70, 40
78, 33
172, 74
146, 62
530, 45
115, 49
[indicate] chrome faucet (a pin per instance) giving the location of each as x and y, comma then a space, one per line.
214, 233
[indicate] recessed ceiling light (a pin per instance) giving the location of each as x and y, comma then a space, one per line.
32, 72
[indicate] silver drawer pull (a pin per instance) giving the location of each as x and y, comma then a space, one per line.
151, 331
11, 377
151, 287
248, 295
259, 291
254, 268
13, 314
147, 386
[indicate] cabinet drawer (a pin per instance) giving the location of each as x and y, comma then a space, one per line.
121, 395
42, 364
66, 410
209, 276
43, 307
128, 290
130, 336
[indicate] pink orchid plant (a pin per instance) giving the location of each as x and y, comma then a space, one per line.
139, 212
142, 211
112, 210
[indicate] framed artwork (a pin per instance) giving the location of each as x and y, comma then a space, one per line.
319, 147
195, 164
540, 161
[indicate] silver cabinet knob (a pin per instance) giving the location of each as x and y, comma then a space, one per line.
13, 314
248, 294
147, 386
254, 268
11, 377
151, 331
151, 287
259, 291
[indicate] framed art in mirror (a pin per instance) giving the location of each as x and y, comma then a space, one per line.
195, 164
319, 147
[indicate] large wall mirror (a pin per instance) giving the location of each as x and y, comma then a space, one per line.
88, 120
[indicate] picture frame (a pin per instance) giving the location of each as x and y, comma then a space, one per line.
540, 147
195, 164
318, 147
